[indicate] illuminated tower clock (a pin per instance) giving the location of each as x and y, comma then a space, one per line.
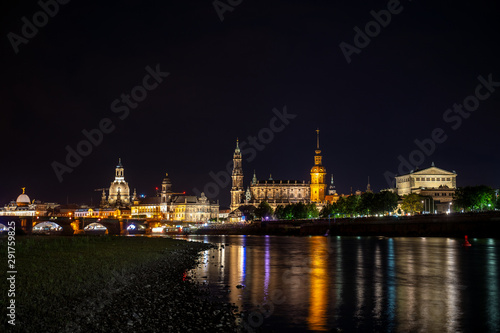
318, 174
237, 190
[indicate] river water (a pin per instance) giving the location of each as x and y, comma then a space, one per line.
362, 284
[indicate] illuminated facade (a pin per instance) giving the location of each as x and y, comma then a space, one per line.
332, 196
237, 190
176, 207
318, 175
119, 192
21, 207
278, 192
101, 213
432, 182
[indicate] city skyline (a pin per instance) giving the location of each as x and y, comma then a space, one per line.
196, 83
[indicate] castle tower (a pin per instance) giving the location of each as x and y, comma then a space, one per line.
237, 190
166, 189
318, 173
166, 195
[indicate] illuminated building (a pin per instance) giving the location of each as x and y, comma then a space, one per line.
21, 207
332, 196
277, 192
101, 212
119, 192
432, 182
318, 173
237, 179
179, 207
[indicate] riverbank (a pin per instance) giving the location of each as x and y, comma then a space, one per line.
453, 225
110, 284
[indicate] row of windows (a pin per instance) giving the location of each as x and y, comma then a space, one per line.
438, 179
443, 194
270, 195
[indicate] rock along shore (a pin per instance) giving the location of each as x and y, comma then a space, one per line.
157, 297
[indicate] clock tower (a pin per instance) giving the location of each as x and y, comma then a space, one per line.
318, 174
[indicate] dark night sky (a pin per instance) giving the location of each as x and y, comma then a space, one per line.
225, 79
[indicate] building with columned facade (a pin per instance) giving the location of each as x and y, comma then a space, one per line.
438, 184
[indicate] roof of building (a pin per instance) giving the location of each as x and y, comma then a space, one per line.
429, 171
150, 201
185, 199
281, 182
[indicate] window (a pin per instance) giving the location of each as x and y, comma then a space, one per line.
448, 179
428, 179
438, 179
433, 179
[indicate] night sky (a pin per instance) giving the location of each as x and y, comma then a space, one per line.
226, 77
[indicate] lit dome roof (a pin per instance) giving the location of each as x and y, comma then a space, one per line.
23, 199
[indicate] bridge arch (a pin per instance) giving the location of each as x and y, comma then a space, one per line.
95, 229
47, 228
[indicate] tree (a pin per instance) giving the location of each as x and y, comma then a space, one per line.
412, 203
263, 211
386, 202
288, 212
474, 198
327, 210
279, 212
299, 211
367, 203
341, 206
352, 203
312, 210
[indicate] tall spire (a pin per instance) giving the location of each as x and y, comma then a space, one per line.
317, 151
368, 187
237, 150
331, 190
317, 139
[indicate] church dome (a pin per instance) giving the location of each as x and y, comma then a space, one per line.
23, 200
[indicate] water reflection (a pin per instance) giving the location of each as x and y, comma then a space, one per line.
319, 286
365, 284
492, 284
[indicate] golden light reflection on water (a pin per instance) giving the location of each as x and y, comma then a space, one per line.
376, 284
319, 286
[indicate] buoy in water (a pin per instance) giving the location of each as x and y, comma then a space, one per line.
466, 243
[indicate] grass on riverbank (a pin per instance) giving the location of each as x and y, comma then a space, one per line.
56, 273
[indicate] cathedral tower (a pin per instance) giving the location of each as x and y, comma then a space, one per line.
237, 190
318, 173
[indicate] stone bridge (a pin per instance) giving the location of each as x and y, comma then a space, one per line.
71, 226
